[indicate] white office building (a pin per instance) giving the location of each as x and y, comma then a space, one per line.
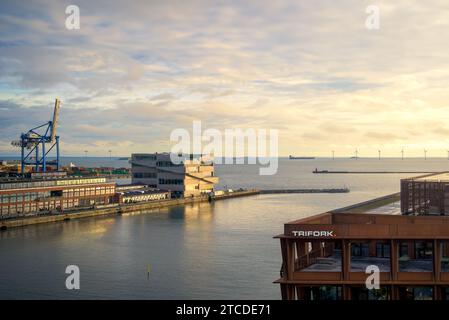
192, 177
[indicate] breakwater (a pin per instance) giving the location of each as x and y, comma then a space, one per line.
372, 172
331, 190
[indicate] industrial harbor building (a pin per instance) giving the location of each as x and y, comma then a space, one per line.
192, 177
52, 191
406, 236
154, 178
37, 186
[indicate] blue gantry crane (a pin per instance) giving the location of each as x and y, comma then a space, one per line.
33, 144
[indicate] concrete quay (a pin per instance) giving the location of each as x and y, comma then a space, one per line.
116, 209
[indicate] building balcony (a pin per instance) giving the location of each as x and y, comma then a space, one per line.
324, 261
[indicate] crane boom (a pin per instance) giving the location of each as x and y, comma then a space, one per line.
54, 122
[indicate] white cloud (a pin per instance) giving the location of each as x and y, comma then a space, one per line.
135, 70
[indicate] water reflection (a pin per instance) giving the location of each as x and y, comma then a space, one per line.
88, 226
194, 211
222, 250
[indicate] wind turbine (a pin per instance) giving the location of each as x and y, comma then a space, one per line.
333, 154
425, 154
379, 153
402, 154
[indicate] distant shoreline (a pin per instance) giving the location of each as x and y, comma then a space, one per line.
13, 157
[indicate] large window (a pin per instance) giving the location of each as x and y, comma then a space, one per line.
415, 256
423, 250
57, 193
444, 247
415, 293
146, 175
382, 250
444, 293
171, 181
323, 293
318, 256
145, 157
362, 293
367, 253
360, 249
168, 164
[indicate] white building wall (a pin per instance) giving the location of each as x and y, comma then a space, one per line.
192, 178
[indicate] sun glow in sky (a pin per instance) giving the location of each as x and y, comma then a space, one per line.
136, 70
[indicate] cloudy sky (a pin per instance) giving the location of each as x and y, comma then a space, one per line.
136, 70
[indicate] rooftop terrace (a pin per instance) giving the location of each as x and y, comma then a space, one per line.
390, 204
374, 219
439, 177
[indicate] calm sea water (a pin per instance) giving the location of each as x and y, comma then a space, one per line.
223, 250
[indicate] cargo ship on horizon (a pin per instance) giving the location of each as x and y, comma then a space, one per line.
300, 158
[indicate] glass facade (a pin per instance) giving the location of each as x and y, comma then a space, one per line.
147, 175
444, 249
416, 256
362, 293
444, 293
144, 157
416, 293
367, 253
323, 293
171, 181
168, 164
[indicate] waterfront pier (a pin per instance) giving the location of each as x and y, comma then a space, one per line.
316, 171
116, 209
328, 190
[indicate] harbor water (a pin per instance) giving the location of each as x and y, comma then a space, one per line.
222, 250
